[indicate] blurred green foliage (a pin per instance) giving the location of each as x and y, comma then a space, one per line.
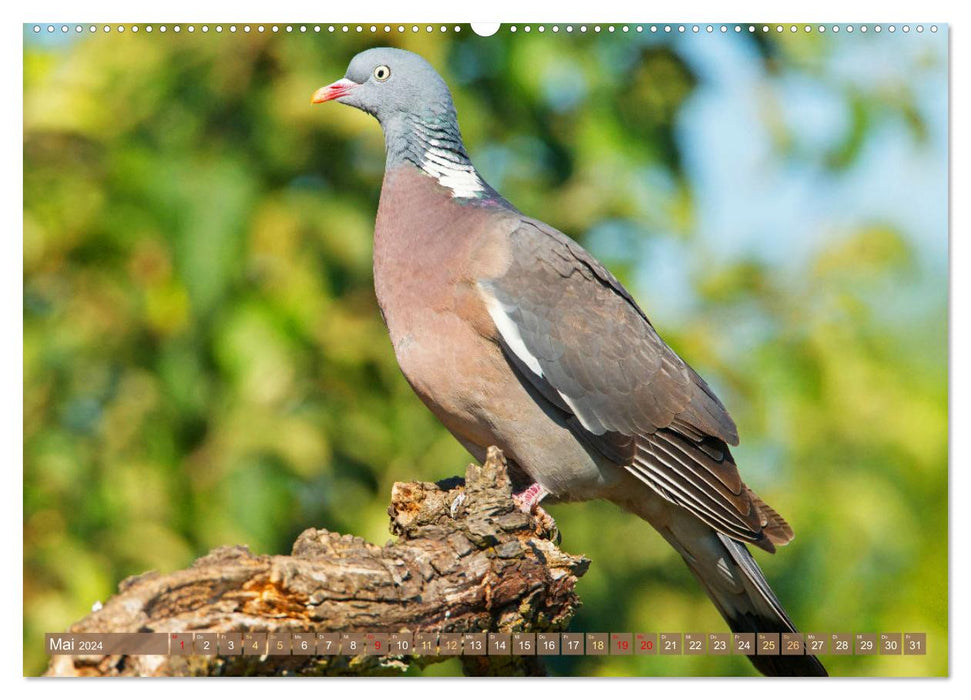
204, 362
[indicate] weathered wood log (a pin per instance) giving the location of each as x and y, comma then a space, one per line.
465, 560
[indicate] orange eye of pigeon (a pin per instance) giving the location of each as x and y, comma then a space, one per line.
382, 73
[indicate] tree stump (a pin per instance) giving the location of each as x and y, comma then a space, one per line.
465, 560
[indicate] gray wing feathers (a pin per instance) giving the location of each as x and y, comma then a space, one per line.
570, 328
688, 475
590, 341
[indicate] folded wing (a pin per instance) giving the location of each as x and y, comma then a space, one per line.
572, 330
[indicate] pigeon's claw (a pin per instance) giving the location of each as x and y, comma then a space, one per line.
528, 502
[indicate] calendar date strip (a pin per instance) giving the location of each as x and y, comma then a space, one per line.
354, 644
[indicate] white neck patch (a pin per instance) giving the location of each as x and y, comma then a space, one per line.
460, 178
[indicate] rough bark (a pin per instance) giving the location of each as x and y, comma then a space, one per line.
465, 560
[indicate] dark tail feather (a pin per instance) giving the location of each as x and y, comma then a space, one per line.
731, 578
758, 610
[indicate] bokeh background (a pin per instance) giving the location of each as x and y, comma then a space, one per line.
204, 362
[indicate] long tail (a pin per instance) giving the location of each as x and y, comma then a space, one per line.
727, 572
759, 610
729, 575
737, 587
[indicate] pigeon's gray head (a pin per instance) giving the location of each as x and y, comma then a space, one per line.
415, 109
389, 83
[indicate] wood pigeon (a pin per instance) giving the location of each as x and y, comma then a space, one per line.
513, 335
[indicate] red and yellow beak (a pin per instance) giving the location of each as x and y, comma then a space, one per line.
333, 91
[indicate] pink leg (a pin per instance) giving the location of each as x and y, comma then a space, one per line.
528, 500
